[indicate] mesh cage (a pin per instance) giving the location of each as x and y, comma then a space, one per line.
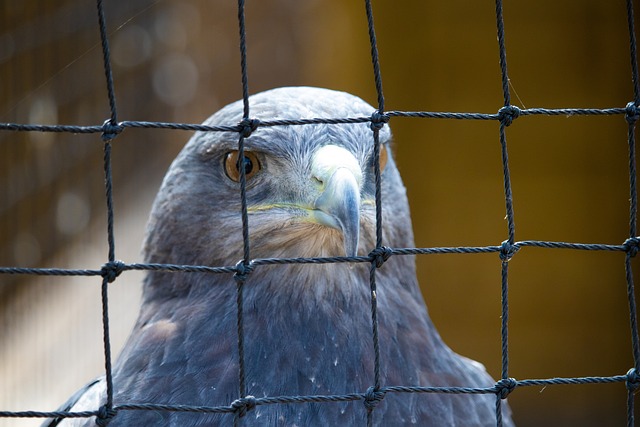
505, 116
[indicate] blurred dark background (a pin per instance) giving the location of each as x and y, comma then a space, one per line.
178, 61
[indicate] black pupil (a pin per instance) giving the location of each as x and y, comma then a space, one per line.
248, 165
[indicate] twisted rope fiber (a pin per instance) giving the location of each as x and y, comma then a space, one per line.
506, 250
632, 117
506, 116
329, 398
630, 245
120, 126
111, 130
247, 126
374, 395
109, 272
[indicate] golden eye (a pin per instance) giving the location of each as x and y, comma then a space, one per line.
383, 157
232, 165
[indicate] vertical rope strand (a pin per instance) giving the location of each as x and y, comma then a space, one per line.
244, 210
506, 114
633, 212
378, 118
630, 408
244, 266
241, 275
632, 117
633, 52
508, 195
243, 58
632, 385
105, 279
109, 196
374, 55
374, 319
633, 192
107, 343
503, 53
498, 411
376, 124
505, 320
245, 132
107, 62
378, 186
105, 415
242, 387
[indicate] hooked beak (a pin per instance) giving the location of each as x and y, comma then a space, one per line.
338, 205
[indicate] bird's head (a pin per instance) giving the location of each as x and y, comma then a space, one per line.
310, 189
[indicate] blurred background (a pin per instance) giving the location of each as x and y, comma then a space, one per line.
177, 60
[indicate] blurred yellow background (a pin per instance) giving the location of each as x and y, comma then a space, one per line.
178, 61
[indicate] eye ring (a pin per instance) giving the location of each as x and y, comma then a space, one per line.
232, 165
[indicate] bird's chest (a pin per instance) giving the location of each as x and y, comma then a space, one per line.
317, 351
312, 342
306, 331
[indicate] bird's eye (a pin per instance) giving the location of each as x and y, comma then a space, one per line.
232, 165
383, 156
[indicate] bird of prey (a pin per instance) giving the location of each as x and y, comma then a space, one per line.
310, 192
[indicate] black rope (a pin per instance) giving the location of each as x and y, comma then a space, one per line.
503, 54
506, 115
378, 120
499, 388
628, 245
106, 55
111, 270
18, 127
369, 402
631, 244
633, 53
246, 127
51, 414
374, 55
241, 274
243, 58
105, 414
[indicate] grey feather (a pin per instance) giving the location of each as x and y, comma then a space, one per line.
307, 327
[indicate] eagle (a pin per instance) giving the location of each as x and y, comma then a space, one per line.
310, 191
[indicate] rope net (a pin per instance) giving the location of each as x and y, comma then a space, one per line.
505, 117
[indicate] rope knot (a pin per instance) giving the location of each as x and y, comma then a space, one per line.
508, 114
111, 270
247, 126
633, 379
380, 255
505, 386
632, 246
632, 112
508, 250
378, 120
110, 130
242, 270
243, 405
372, 397
105, 415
